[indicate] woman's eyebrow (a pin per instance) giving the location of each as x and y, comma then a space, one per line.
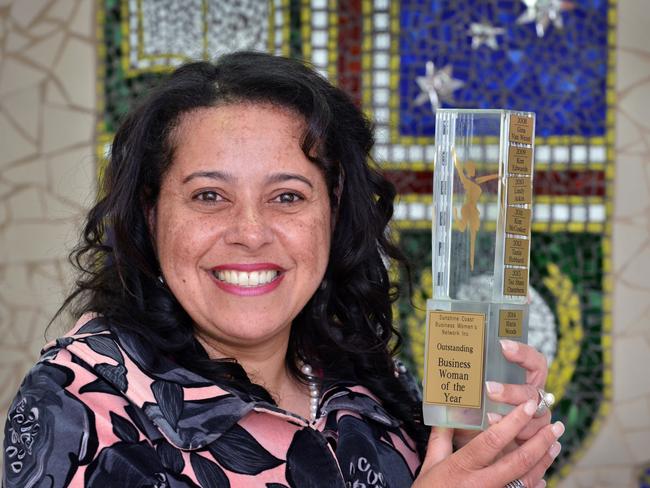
280, 177
215, 175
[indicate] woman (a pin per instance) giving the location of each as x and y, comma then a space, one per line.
235, 310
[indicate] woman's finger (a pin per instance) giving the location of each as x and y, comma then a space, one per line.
533, 427
535, 475
511, 394
482, 450
533, 361
520, 462
463, 436
515, 395
529, 430
439, 447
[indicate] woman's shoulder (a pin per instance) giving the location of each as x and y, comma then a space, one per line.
75, 372
99, 397
62, 414
74, 358
94, 347
112, 359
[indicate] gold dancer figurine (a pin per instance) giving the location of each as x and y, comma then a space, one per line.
470, 214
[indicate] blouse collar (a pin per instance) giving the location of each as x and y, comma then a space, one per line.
188, 410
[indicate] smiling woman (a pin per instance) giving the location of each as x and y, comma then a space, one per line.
234, 310
242, 202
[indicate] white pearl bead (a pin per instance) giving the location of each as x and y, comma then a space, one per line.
314, 391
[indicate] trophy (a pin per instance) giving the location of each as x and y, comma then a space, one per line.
482, 209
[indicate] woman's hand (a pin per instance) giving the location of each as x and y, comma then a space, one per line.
536, 368
478, 464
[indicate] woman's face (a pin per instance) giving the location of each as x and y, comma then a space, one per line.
243, 224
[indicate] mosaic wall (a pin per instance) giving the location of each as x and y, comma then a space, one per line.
398, 60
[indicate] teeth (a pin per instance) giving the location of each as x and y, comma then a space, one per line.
254, 279
242, 278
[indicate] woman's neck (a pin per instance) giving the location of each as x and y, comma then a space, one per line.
265, 365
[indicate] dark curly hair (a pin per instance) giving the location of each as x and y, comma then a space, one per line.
346, 329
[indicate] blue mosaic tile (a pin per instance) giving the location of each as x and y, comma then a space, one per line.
560, 76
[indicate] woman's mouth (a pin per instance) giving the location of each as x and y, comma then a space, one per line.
246, 278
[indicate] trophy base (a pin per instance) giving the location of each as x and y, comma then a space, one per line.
462, 353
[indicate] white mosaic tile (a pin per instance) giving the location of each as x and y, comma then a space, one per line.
561, 154
380, 21
319, 20
319, 57
417, 211
542, 154
579, 154
319, 38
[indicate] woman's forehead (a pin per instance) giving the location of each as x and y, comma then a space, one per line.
232, 114
240, 139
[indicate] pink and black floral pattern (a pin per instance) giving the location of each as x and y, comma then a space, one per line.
102, 409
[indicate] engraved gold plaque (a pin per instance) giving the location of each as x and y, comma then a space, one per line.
521, 129
518, 221
520, 190
517, 251
515, 282
455, 359
511, 323
520, 160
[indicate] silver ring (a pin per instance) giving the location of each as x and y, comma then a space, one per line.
515, 484
546, 401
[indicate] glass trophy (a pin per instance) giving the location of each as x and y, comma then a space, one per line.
482, 209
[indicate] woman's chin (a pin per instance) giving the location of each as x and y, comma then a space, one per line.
239, 334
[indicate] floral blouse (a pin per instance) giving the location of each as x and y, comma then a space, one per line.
101, 409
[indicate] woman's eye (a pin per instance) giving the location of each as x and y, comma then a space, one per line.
288, 197
207, 196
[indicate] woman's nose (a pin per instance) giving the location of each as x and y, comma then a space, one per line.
249, 228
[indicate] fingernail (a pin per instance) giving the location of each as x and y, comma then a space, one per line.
530, 406
494, 417
555, 449
508, 345
541, 484
493, 387
558, 429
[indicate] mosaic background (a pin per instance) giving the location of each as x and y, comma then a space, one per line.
588, 298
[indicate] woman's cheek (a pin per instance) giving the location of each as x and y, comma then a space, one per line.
183, 239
